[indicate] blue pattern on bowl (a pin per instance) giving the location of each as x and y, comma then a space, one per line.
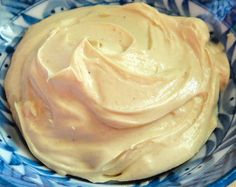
214, 165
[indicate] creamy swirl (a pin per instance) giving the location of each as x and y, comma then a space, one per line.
116, 92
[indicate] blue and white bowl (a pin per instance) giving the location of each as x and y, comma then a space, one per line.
214, 165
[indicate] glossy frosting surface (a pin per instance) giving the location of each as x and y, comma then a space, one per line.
102, 92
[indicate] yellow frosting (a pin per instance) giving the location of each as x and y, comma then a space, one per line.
116, 92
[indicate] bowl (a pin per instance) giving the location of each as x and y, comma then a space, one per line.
215, 163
